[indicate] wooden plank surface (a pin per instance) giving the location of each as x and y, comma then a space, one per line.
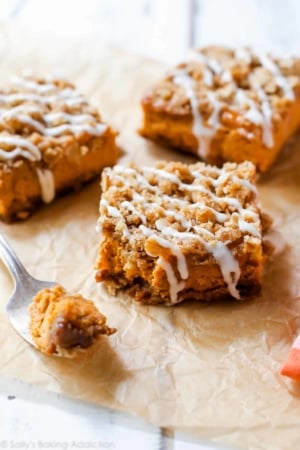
165, 29
270, 24
156, 28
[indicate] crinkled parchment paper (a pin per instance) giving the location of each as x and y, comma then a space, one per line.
209, 369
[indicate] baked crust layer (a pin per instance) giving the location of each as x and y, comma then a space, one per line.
63, 324
51, 141
178, 232
226, 105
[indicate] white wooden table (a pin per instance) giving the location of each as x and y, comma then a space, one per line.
164, 30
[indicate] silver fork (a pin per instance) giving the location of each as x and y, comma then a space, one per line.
26, 287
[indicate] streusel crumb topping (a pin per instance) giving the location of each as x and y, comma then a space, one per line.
38, 114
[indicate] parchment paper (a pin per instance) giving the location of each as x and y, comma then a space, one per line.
209, 369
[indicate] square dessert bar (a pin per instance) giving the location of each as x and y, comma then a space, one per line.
226, 105
178, 232
51, 140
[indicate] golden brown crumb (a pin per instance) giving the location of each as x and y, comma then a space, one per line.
63, 324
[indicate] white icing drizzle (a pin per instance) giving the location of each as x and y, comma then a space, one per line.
175, 285
31, 152
229, 267
8, 156
201, 132
228, 264
246, 227
264, 117
275, 71
96, 130
22, 108
32, 85
246, 219
207, 66
267, 115
207, 77
199, 188
245, 183
172, 201
130, 207
258, 115
76, 121
114, 212
253, 114
47, 184
210, 67
217, 106
194, 188
220, 217
181, 262
65, 95
243, 54
26, 149
226, 77
206, 61
72, 118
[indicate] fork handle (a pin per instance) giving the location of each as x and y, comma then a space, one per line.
12, 262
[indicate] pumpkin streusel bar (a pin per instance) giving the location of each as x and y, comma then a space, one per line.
177, 232
226, 105
51, 141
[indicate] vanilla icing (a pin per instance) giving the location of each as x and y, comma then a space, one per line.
47, 184
22, 146
201, 132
